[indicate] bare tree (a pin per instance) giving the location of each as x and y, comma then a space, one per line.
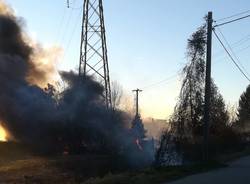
232, 113
116, 94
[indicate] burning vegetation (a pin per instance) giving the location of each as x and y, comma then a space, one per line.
73, 120
36, 116
3, 136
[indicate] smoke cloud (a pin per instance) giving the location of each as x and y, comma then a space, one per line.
73, 119
43, 62
5, 9
32, 114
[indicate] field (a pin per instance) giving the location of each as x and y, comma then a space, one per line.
19, 166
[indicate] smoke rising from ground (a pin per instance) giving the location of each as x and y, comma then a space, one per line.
42, 61
73, 119
5, 9
27, 110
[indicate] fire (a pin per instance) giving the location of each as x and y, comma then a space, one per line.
137, 142
3, 134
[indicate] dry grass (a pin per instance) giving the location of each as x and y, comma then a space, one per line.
18, 166
153, 175
33, 170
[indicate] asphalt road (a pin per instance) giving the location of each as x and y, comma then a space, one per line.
238, 172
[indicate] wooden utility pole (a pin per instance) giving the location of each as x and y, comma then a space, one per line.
137, 101
208, 86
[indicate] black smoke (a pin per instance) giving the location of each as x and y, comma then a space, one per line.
74, 120
31, 115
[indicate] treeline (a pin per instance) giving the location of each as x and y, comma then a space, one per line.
183, 140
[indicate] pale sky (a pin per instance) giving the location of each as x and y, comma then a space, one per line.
146, 43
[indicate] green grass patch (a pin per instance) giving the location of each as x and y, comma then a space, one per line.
154, 175
234, 155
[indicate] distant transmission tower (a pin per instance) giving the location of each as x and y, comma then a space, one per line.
93, 51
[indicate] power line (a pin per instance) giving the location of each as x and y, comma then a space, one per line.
230, 56
235, 44
231, 21
238, 43
60, 26
66, 26
71, 35
242, 40
247, 47
235, 15
232, 51
160, 82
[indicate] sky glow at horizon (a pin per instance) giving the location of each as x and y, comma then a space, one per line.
146, 43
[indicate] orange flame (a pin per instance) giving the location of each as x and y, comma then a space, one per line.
137, 142
3, 134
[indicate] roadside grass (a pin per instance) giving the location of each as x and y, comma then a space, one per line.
166, 174
17, 165
154, 175
64, 170
233, 155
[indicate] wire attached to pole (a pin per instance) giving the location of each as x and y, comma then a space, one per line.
231, 21
230, 56
235, 15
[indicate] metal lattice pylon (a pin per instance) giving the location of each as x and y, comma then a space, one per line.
93, 51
